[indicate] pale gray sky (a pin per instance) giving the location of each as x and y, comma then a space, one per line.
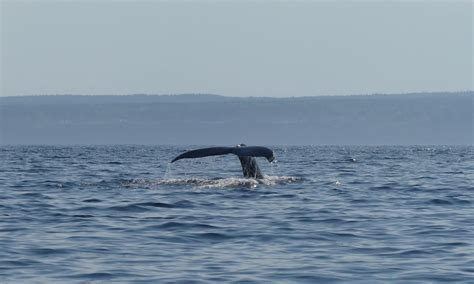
251, 48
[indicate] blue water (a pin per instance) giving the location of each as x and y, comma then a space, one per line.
123, 214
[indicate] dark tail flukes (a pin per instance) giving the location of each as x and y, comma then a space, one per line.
246, 156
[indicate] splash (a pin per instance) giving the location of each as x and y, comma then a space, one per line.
213, 183
168, 172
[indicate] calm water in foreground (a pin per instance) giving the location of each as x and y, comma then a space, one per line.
323, 214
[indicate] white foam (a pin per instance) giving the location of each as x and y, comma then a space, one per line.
215, 183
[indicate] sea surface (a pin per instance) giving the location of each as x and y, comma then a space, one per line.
322, 214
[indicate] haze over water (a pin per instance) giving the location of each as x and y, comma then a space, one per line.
253, 72
122, 213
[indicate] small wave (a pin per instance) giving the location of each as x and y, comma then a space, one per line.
50, 251
146, 206
83, 216
213, 237
183, 225
136, 208
18, 263
94, 276
411, 252
155, 204
448, 201
91, 200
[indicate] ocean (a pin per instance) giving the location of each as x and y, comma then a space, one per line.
322, 214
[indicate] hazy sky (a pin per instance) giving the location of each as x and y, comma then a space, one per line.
251, 48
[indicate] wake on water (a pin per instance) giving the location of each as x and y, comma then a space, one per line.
169, 179
231, 182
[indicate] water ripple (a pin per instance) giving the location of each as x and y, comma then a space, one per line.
322, 214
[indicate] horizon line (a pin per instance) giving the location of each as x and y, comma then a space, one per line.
237, 97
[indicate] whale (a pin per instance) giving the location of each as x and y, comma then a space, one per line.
246, 155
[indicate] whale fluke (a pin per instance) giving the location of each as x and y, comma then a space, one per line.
253, 151
245, 153
204, 152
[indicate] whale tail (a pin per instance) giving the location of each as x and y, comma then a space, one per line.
245, 153
204, 152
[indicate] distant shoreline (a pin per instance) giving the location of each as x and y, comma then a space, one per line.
470, 92
403, 119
